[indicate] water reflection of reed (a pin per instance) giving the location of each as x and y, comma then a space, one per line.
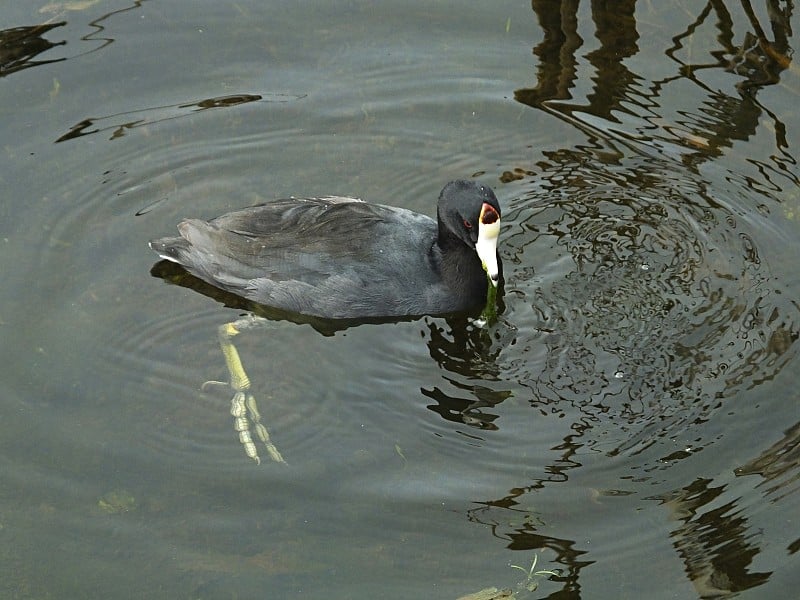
779, 466
119, 124
629, 108
19, 46
717, 546
668, 310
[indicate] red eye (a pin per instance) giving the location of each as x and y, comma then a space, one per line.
467, 224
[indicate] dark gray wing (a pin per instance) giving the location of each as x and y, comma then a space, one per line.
330, 257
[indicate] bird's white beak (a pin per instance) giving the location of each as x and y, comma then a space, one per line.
488, 230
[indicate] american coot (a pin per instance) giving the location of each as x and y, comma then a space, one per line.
341, 258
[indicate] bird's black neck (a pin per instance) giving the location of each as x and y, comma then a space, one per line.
461, 268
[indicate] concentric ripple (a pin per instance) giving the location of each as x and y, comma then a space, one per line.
652, 304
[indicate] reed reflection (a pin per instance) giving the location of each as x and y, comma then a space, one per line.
629, 107
778, 466
659, 307
117, 125
717, 545
59, 10
19, 47
511, 518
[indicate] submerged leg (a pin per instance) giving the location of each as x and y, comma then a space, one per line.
243, 403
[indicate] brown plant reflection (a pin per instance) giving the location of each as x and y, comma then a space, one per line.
716, 545
778, 465
619, 94
57, 10
119, 124
19, 47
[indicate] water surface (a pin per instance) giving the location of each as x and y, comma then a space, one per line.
631, 419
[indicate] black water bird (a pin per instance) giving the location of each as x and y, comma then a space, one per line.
341, 258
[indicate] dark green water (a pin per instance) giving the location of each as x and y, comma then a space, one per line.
631, 419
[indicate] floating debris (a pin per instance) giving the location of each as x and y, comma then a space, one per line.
117, 502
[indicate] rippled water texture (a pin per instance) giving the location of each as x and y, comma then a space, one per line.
629, 421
